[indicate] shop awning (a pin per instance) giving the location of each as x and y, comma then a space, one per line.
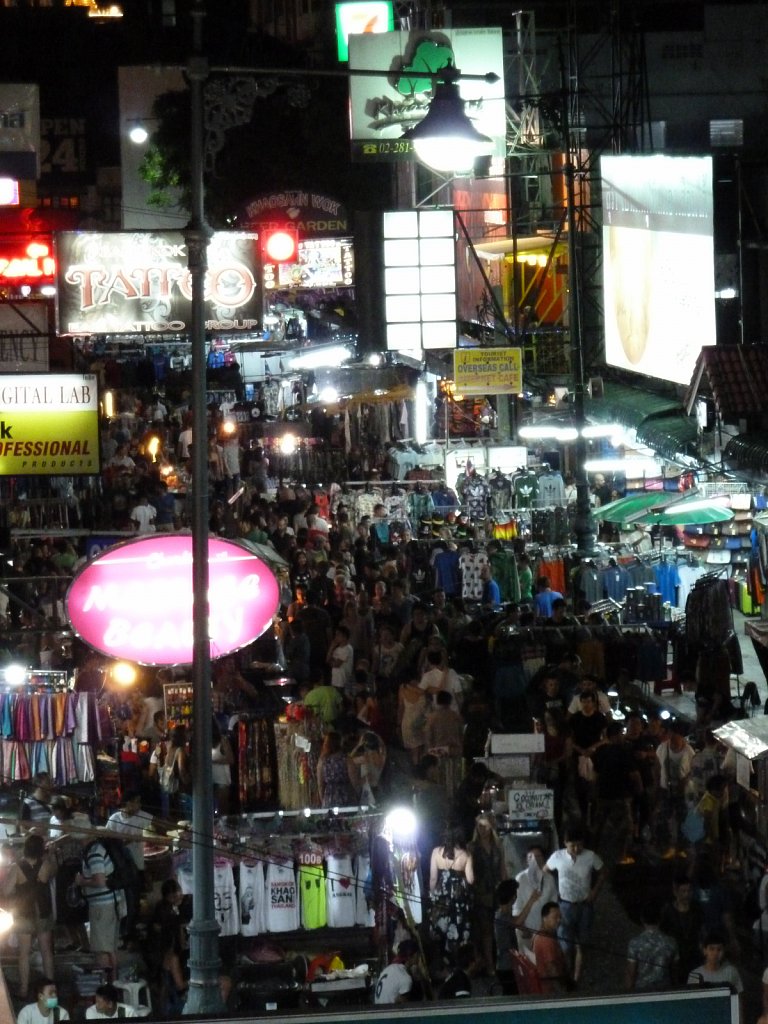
669, 436
628, 406
737, 378
748, 451
748, 736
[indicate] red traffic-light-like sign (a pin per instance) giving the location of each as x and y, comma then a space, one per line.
280, 244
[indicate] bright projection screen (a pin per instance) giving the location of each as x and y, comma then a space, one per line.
658, 263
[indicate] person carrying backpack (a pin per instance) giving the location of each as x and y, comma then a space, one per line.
106, 900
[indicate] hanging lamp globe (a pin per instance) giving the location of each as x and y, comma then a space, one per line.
446, 139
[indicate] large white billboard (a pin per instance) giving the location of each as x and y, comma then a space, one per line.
383, 106
658, 263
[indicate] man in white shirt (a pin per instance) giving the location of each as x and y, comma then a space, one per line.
341, 659
437, 678
143, 516
42, 1010
185, 440
394, 984
130, 820
106, 1005
579, 880
675, 756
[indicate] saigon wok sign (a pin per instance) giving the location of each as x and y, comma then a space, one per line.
138, 282
135, 600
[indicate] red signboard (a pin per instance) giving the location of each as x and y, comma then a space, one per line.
24, 261
135, 600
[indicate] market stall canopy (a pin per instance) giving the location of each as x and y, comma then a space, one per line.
629, 406
629, 509
748, 737
694, 511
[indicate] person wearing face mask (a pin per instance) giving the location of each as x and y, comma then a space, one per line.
45, 1009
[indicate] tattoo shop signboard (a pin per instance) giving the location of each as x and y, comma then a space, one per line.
138, 282
134, 600
49, 425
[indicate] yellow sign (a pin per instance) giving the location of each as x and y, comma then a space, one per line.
49, 424
488, 371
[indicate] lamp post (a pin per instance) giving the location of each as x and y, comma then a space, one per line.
204, 995
583, 524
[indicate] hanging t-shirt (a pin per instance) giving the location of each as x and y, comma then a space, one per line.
364, 915
476, 493
282, 905
226, 905
340, 892
447, 572
526, 487
551, 489
470, 564
615, 582
667, 580
501, 493
312, 889
252, 909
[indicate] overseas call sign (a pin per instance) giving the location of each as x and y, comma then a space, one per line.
49, 425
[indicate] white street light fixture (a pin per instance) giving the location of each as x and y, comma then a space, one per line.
138, 135
595, 430
316, 359
630, 467
445, 139
547, 432
15, 675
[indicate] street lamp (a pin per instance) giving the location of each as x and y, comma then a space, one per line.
445, 139
204, 995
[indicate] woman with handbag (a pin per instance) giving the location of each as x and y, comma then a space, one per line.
28, 883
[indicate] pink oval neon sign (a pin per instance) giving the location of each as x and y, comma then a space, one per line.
135, 600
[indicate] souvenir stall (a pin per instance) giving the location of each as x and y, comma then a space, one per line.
46, 727
316, 882
746, 742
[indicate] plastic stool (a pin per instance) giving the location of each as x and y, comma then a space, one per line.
132, 991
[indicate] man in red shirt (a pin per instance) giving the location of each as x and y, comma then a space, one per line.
551, 965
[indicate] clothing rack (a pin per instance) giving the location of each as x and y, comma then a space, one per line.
392, 483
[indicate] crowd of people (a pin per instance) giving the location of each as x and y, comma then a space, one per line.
407, 683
